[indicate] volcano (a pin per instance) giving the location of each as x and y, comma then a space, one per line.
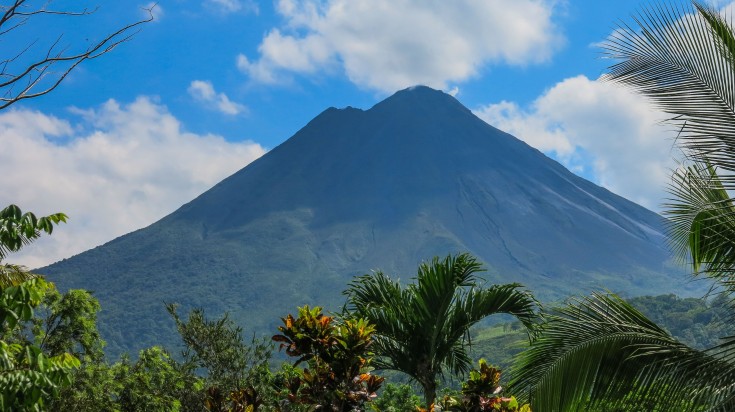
418, 175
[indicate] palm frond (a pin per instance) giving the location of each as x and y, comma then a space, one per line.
509, 298
682, 59
14, 275
600, 353
702, 222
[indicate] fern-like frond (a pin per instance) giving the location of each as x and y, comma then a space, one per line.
600, 353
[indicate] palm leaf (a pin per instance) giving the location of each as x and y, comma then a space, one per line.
14, 275
702, 222
600, 353
682, 60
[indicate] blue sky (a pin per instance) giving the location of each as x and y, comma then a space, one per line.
211, 85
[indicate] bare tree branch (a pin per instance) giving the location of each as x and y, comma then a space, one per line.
23, 77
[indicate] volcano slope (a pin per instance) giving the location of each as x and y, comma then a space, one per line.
415, 176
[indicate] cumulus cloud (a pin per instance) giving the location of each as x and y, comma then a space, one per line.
388, 45
119, 168
584, 122
203, 91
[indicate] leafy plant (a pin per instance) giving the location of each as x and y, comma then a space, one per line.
29, 378
482, 392
18, 229
68, 323
337, 354
152, 384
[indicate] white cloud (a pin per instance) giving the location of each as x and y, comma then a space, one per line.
585, 122
227, 6
728, 10
231, 6
122, 167
203, 91
388, 44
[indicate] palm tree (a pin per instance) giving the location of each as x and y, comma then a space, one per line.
423, 329
18, 229
599, 353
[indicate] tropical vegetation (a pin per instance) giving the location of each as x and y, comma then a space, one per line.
52, 355
600, 353
422, 329
18, 229
31, 375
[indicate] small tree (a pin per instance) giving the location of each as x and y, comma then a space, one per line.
152, 384
396, 398
337, 354
235, 374
423, 329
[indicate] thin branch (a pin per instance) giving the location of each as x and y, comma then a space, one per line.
35, 72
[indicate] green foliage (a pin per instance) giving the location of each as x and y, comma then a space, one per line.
698, 323
96, 388
423, 329
68, 323
17, 302
499, 342
337, 354
153, 383
234, 374
16, 230
482, 392
396, 398
600, 353
695, 322
28, 377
